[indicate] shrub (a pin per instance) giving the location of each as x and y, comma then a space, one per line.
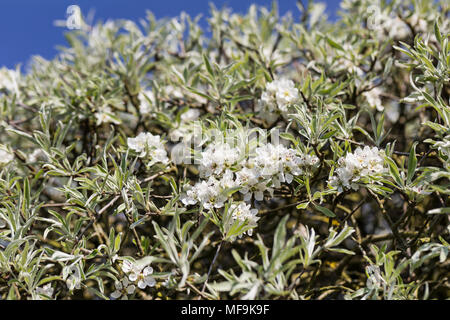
274, 158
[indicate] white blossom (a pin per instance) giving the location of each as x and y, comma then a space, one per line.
148, 145
123, 289
267, 167
208, 193
278, 95
419, 24
139, 274
373, 98
190, 115
243, 213
216, 158
385, 24
172, 92
128, 266
143, 278
420, 189
280, 164
105, 115
354, 167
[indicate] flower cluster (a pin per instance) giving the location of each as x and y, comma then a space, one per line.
243, 213
357, 167
373, 98
387, 24
224, 167
123, 289
278, 96
106, 115
280, 164
148, 145
140, 274
217, 158
134, 273
173, 92
211, 193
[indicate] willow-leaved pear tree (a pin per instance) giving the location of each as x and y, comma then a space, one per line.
274, 157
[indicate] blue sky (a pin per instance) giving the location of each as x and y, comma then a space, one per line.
27, 26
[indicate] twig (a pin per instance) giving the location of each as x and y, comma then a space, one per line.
387, 218
136, 237
212, 264
353, 211
96, 218
383, 237
196, 290
334, 288
156, 175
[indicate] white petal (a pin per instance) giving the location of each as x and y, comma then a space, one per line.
289, 177
131, 289
141, 284
133, 277
127, 266
148, 270
116, 294
150, 281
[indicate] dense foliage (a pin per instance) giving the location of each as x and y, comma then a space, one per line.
263, 157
